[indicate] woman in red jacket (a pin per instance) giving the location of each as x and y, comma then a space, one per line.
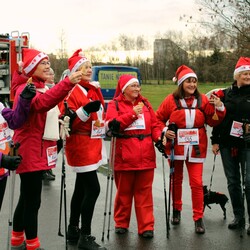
186, 112
84, 151
37, 147
135, 158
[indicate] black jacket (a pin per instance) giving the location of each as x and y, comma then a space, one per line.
237, 103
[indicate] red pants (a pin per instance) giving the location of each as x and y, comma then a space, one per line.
195, 171
137, 185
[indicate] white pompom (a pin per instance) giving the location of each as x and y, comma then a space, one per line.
174, 79
81, 54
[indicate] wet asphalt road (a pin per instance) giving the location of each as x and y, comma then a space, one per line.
217, 235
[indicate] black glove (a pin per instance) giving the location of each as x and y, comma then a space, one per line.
29, 91
173, 127
71, 114
160, 146
114, 126
92, 106
10, 162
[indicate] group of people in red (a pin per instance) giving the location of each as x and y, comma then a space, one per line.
177, 127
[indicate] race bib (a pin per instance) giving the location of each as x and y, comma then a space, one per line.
5, 132
236, 129
97, 130
137, 124
188, 136
52, 155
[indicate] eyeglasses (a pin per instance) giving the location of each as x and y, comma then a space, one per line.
135, 86
44, 63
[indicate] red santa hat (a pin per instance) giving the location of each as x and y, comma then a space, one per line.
76, 60
243, 64
123, 83
182, 73
31, 58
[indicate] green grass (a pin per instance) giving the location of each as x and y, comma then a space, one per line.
156, 93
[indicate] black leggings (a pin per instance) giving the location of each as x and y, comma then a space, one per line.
26, 213
86, 192
2, 190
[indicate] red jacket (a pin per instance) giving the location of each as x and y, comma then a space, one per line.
15, 119
32, 146
168, 112
133, 153
83, 152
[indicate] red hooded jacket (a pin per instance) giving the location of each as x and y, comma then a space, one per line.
32, 146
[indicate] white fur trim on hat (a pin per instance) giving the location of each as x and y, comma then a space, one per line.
129, 82
185, 77
79, 63
34, 62
242, 68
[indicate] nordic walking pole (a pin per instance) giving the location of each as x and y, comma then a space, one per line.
243, 170
64, 133
60, 210
165, 191
107, 189
64, 195
171, 177
106, 199
13, 152
114, 127
113, 142
159, 145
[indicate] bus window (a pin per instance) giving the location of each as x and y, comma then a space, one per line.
108, 75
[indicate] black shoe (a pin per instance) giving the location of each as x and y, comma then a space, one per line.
87, 242
148, 234
20, 247
121, 230
47, 176
199, 226
176, 217
73, 234
51, 173
236, 223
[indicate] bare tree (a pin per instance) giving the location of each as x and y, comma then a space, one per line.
141, 43
126, 42
230, 17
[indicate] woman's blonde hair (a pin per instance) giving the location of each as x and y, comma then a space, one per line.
237, 75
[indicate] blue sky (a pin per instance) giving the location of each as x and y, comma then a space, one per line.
85, 23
